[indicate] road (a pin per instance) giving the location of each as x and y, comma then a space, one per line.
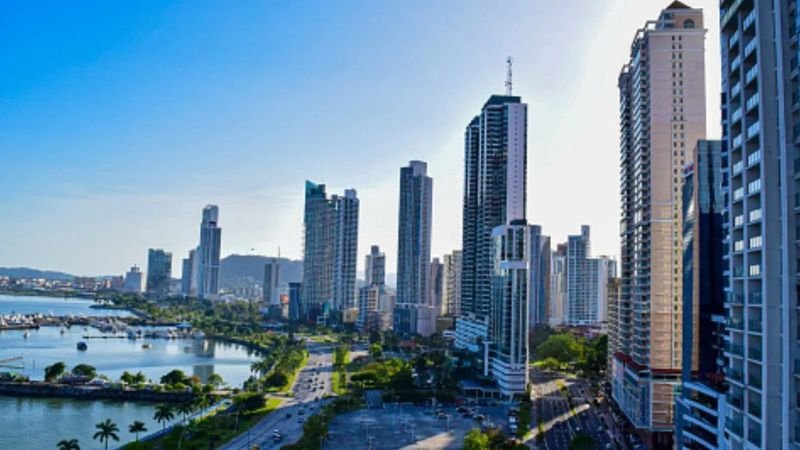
562, 423
312, 384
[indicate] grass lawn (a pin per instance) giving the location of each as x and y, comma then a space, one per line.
214, 429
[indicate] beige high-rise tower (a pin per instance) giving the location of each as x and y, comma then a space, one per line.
662, 115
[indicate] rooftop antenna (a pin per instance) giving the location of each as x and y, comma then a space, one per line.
509, 61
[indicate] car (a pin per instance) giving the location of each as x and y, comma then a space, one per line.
277, 438
288, 415
300, 420
301, 412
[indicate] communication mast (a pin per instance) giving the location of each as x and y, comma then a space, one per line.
508, 76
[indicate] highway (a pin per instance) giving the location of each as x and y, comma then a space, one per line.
312, 384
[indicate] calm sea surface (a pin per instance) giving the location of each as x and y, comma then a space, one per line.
27, 423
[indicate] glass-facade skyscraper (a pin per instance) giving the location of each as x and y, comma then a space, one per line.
159, 272
413, 311
208, 253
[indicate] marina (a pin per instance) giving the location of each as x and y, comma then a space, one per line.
112, 351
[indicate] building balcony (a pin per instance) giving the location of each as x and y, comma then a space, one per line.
754, 354
749, 20
750, 47
754, 326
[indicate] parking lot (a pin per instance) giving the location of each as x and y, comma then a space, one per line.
406, 427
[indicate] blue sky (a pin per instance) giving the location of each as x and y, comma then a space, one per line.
120, 121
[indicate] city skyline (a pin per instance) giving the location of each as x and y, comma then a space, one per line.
60, 165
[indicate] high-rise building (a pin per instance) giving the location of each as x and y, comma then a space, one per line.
540, 282
187, 272
208, 253
451, 305
701, 405
662, 115
159, 272
375, 267
318, 253
272, 280
612, 308
436, 296
495, 159
295, 303
510, 297
558, 285
414, 251
761, 181
345, 250
133, 280
599, 271
330, 251
581, 287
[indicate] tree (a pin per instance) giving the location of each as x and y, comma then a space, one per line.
581, 441
375, 350
563, 347
476, 440
107, 430
185, 409
550, 363
54, 371
175, 376
137, 427
163, 415
250, 401
71, 444
215, 380
84, 370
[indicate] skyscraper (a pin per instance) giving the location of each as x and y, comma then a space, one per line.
375, 267
345, 249
374, 303
159, 272
187, 272
208, 253
436, 296
581, 309
558, 284
540, 283
760, 136
414, 251
509, 302
133, 280
272, 280
495, 158
662, 114
330, 251
702, 376
318, 253
451, 305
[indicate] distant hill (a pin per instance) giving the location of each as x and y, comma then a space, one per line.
27, 272
242, 270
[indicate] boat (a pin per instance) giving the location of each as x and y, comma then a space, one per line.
62, 331
146, 346
26, 335
82, 346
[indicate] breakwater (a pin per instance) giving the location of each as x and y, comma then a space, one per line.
44, 389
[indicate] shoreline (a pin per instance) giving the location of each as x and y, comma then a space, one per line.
41, 389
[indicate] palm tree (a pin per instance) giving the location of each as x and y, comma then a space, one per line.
185, 409
163, 415
137, 427
71, 444
107, 430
